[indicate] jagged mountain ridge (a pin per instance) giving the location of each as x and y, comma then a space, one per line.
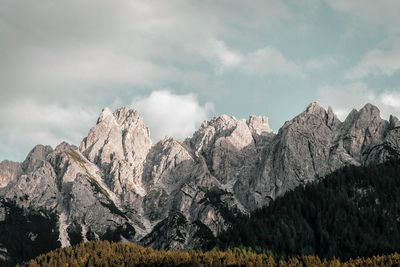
117, 185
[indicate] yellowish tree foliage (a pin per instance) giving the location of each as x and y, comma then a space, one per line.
104, 253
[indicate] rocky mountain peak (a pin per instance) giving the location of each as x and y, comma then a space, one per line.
315, 116
364, 116
210, 131
118, 180
129, 118
367, 117
370, 109
123, 117
315, 108
258, 125
362, 130
64, 146
221, 123
105, 113
9, 171
328, 116
120, 134
36, 157
332, 120
394, 122
118, 144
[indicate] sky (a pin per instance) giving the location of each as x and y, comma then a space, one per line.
181, 62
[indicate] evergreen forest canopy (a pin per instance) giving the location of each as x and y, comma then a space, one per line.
104, 253
353, 212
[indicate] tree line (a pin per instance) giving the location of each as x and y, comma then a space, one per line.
105, 253
352, 212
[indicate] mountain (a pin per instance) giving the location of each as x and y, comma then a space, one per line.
117, 185
352, 212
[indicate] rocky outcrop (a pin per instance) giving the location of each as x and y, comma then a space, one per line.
174, 194
177, 232
316, 143
67, 186
388, 148
36, 158
9, 171
118, 145
362, 130
299, 153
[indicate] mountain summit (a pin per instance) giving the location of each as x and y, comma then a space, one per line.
119, 186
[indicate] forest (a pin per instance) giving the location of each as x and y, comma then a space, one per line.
353, 212
104, 253
344, 219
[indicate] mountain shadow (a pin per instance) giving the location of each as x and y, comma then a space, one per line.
353, 212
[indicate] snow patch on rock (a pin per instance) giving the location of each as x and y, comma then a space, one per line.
62, 228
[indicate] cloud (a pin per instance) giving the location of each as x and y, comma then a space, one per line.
172, 115
217, 53
61, 46
320, 63
372, 17
368, 20
228, 58
377, 62
265, 61
65, 56
370, 12
31, 123
269, 60
343, 98
391, 99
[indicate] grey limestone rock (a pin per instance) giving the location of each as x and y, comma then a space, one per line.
179, 194
36, 157
9, 171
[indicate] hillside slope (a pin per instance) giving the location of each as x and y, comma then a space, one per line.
102, 253
117, 185
352, 212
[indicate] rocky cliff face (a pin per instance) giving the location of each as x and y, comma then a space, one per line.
173, 194
9, 171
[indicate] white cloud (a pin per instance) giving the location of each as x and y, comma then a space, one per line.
269, 60
217, 53
320, 63
228, 57
61, 46
168, 114
68, 54
265, 61
343, 98
30, 123
391, 100
377, 62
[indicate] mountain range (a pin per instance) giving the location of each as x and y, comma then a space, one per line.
117, 185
